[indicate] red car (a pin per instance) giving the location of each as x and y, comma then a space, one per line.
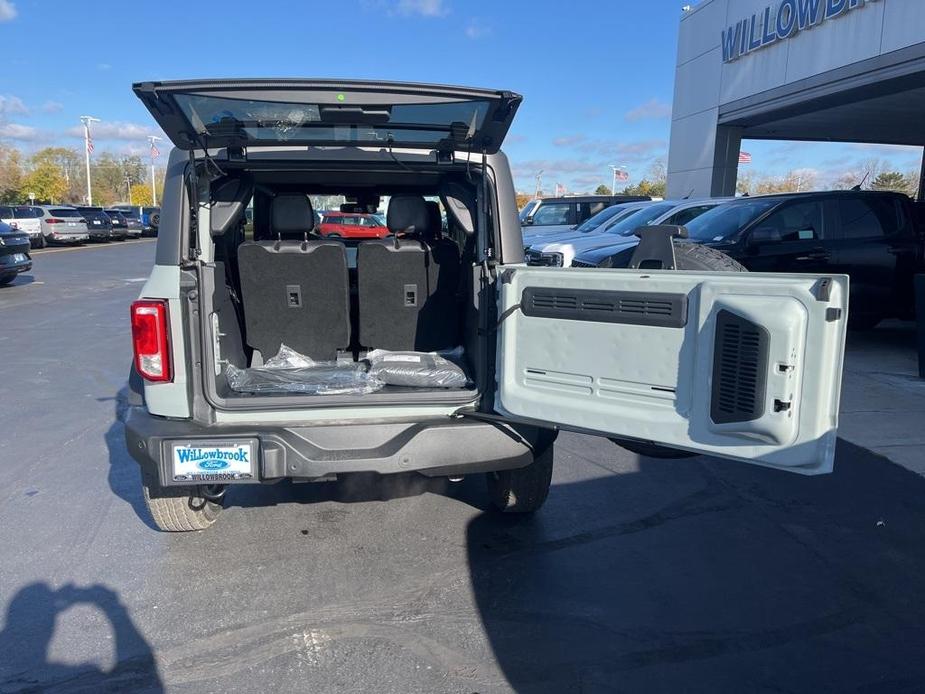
352, 225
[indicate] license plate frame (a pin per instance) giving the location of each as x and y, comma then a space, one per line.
213, 461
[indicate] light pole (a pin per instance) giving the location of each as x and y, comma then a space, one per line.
88, 148
154, 153
539, 183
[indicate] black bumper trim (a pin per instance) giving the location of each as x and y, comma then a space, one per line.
434, 448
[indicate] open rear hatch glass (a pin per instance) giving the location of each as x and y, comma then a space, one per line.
239, 113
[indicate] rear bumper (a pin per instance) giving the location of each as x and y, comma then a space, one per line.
59, 237
10, 267
434, 448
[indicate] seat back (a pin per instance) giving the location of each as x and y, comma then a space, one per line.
406, 291
295, 292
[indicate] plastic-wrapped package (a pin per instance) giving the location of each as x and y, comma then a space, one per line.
291, 372
418, 369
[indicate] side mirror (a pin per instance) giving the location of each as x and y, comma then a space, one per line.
529, 220
763, 235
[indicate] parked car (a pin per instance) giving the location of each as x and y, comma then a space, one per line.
129, 226
14, 253
26, 219
556, 214
352, 225
150, 217
636, 357
597, 224
874, 237
63, 224
99, 224
622, 233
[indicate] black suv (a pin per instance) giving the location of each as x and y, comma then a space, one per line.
875, 237
99, 225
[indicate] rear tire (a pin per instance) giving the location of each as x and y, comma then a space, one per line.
523, 490
177, 509
691, 257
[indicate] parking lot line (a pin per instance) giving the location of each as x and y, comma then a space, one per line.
88, 247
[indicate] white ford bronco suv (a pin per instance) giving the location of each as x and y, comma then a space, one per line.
278, 352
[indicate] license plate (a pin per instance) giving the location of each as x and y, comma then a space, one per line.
214, 462
96, 221
19, 257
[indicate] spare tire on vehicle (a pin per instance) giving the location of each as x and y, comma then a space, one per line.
155, 219
694, 258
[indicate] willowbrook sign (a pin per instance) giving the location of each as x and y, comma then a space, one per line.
780, 23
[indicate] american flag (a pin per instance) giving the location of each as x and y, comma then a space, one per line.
623, 175
154, 151
745, 158
89, 143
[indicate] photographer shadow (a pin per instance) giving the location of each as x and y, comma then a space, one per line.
28, 631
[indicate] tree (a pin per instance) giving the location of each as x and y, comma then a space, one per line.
603, 190
46, 182
891, 180
10, 175
141, 194
72, 168
523, 199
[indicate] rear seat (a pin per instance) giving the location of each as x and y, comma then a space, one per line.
295, 290
407, 286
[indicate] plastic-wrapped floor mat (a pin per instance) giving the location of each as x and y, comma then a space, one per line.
418, 369
291, 372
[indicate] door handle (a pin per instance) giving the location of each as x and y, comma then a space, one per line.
815, 254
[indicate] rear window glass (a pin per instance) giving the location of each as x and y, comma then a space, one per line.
27, 212
866, 217
6, 213
555, 213
64, 212
283, 121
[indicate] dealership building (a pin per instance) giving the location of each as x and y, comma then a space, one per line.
822, 70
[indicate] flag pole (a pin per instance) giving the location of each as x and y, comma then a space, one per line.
86, 120
151, 140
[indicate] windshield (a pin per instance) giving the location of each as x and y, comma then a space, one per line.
527, 209
725, 221
594, 222
639, 218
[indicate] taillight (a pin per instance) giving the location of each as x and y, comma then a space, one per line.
151, 339
53, 220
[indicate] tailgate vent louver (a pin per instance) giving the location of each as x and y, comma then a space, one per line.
740, 367
631, 308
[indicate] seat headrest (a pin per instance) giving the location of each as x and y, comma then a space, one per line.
291, 216
434, 221
407, 211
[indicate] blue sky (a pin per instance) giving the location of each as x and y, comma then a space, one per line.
597, 77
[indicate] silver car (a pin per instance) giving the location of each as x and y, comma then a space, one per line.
63, 224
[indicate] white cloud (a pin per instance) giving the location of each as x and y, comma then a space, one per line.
635, 150
99, 66
7, 11
652, 109
476, 29
116, 130
12, 105
52, 106
425, 8
24, 133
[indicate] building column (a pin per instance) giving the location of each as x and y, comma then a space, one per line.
725, 161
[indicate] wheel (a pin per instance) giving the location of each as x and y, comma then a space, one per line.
177, 509
155, 220
523, 490
689, 256
40, 242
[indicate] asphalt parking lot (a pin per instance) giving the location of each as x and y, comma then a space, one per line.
638, 575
